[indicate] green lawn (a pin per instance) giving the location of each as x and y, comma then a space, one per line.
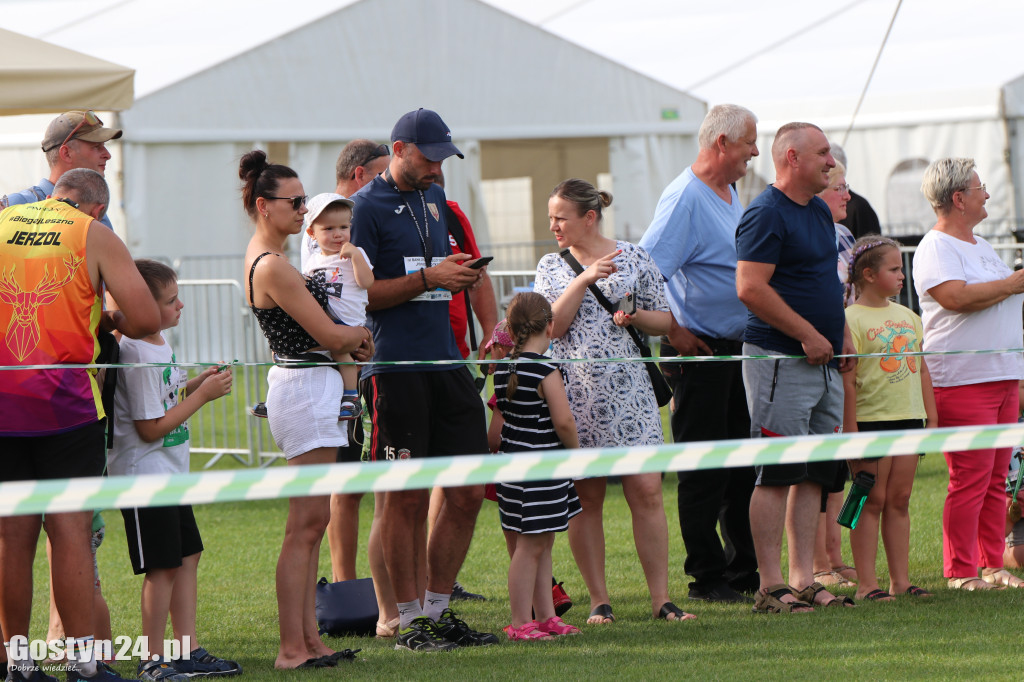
952, 636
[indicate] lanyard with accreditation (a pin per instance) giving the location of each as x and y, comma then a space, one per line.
416, 263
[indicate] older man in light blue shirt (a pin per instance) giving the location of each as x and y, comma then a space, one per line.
692, 239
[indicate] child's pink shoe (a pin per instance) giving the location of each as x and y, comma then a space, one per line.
528, 631
556, 626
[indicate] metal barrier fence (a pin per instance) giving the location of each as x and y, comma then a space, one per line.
217, 325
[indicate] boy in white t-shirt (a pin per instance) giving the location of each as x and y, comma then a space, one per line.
347, 273
151, 436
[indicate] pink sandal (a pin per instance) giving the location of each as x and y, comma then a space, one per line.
527, 631
556, 626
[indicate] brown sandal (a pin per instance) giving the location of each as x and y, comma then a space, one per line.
809, 593
771, 601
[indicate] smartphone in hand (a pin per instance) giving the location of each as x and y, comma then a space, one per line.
627, 304
480, 262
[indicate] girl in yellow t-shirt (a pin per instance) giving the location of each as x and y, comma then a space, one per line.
885, 393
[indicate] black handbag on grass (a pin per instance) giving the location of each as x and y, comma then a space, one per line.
662, 391
348, 607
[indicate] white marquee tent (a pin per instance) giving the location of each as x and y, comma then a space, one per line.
216, 79
946, 84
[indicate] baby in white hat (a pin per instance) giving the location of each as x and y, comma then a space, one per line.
347, 273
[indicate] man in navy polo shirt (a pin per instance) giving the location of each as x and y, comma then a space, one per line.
419, 410
786, 276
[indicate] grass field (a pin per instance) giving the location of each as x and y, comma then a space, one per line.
951, 636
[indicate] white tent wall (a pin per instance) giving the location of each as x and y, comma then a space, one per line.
494, 77
1012, 105
873, 154
315, 163
325, 71
184, 199
641, 166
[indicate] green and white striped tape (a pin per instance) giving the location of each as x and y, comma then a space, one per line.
35, 497
386, 363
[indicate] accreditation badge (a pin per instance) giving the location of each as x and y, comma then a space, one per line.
414, 264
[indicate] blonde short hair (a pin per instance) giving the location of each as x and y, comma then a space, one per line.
944, 178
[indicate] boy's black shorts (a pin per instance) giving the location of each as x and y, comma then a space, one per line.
160, 537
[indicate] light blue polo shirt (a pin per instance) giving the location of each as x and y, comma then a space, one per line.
39, 193
692, 240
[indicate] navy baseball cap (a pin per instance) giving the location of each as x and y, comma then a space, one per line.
427, 131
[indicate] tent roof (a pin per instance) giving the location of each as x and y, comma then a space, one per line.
795, 59
804, 59
38, 77
326, 73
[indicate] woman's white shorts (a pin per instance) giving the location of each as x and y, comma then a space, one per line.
302, 408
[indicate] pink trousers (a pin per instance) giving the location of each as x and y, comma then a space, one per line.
974, 516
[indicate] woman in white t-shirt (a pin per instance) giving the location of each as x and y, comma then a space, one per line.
970, 300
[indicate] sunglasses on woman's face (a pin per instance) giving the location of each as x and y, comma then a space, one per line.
296, 201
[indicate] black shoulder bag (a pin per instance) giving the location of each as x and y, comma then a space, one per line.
662, 391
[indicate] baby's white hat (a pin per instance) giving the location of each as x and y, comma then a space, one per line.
317, 205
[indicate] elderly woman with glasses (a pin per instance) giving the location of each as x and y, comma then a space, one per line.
970, 300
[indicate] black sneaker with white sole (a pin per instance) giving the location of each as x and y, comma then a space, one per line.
201, 663
454, 629
422, 635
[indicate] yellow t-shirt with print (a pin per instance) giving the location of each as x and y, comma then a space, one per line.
889, 387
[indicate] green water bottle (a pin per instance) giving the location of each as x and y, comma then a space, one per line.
862, 484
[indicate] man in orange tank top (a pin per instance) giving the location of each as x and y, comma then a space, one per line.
55, 259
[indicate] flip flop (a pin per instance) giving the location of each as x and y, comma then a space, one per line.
332, 660
312, 663
879, 595
915, 591
668, 608
604, 611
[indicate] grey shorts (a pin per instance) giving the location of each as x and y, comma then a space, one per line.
788, 397
1016, 535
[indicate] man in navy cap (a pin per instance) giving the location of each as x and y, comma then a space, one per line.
422, 410
75, 139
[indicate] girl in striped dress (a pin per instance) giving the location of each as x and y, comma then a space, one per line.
532, 403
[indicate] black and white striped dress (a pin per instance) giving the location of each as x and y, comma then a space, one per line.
534, 506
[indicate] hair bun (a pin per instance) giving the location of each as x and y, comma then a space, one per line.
252, 164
